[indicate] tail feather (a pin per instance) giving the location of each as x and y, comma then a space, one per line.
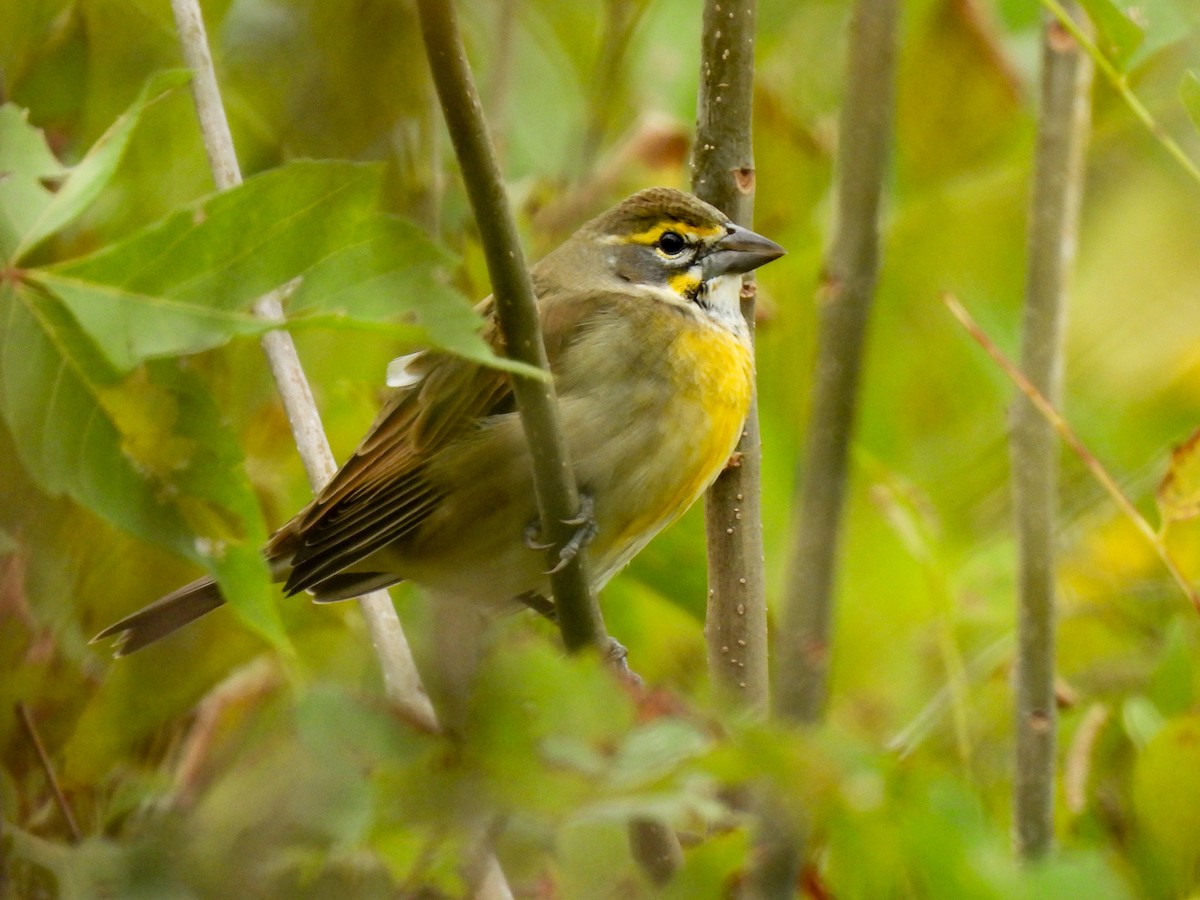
163, 616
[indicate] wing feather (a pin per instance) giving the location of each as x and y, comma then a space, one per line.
383, 494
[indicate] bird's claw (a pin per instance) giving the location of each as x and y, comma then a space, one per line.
585, 527
617, 657
532, 537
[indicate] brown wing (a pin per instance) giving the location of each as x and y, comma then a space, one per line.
382, 493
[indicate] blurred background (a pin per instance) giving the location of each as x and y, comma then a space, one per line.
289, 779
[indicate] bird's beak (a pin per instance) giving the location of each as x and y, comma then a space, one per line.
740, 251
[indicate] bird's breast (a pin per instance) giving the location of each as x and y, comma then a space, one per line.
667, 401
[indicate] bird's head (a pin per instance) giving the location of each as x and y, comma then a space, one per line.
668, 244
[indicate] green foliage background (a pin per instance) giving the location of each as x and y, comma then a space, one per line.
253, 755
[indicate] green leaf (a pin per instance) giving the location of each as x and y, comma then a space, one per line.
395, 272
146, 452
1189, 93
1116, 34
131, 327
179, 285
213, 494
1166, 782
710, 869
1142, 720
655, 750
26, 168
85, 181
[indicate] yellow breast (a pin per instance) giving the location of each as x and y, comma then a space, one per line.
714, 371
710, 371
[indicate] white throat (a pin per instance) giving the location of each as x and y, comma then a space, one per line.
725, 301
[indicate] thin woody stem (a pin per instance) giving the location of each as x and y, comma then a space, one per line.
1053, 213
723, 174
558, 502
60, 799
1071, 439
401, 680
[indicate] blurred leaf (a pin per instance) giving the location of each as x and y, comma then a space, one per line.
169, 288
148, 453
1166, 783
1189, 93
27, 166
1116, 34
1173, 685
1178, 494
541, 724
88, 869
654, 750
84, 182
711, 869
1142, 720
334, 724
595, 862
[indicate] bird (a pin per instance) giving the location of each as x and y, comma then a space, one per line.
653, 367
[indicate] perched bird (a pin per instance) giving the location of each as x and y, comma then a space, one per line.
654, 372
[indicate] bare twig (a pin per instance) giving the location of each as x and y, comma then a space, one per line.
1054, 208
1068, 436
1078, 765
558, 498
736, 618
39, 748
851, 272
401, 680
251, 681
723, 174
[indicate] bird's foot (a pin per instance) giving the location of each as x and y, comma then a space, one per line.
585, 527
617, 657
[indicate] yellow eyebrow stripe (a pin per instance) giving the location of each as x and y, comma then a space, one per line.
651, 235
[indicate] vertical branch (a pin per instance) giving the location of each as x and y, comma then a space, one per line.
851, 272
723, 174
516, 308
1054, 205
401, 680
578, 613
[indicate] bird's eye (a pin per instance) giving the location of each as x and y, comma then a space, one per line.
671, 243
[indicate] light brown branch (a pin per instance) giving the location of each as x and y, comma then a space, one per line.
402, 683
